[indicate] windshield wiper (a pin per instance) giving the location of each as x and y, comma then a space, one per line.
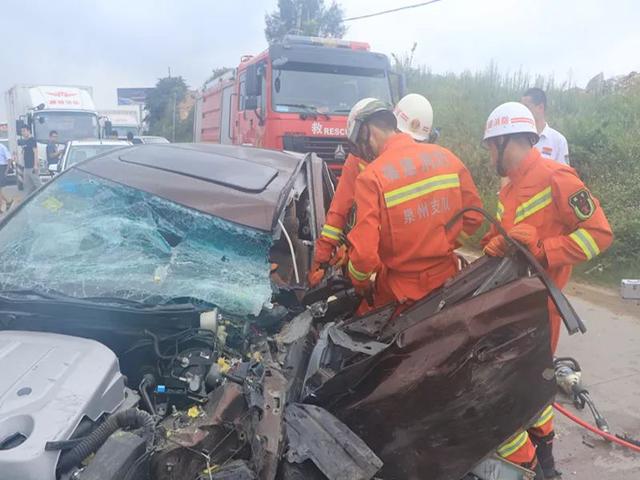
311, 109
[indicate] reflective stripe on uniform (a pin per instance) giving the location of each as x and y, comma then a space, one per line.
357, 274
362, 166
533, 205
331, 232
514, 444
586, 243
545, 416
421, 188
500, 211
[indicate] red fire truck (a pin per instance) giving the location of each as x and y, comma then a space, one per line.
294, 96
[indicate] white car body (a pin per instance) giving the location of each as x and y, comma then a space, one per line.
90, 149
149, 139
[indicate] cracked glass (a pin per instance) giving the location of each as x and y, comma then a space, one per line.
85, 236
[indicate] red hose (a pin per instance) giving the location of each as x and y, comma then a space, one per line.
591, 428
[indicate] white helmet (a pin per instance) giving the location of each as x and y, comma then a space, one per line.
415, 116
509, 118
360, 112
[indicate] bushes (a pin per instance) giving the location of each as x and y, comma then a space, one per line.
603, 132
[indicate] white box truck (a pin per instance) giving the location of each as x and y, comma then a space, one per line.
67, 109
122, 120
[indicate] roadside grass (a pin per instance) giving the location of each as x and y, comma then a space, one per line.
603, 131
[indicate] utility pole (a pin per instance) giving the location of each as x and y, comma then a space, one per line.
175, 95
299, 20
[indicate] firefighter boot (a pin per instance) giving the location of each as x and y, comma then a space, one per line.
544, 452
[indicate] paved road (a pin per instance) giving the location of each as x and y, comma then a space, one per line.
609, 354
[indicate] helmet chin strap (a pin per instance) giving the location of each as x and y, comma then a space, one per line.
365, 150
500, 166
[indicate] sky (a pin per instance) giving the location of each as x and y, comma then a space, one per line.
132, 43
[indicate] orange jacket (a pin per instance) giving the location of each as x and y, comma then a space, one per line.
338, 214
403, 200
569, 220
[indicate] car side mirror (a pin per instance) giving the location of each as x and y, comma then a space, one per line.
397, 81
253, 82
251, 103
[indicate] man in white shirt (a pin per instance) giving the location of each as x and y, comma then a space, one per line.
5, 158
552, 143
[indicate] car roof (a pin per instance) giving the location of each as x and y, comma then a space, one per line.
245, 185
144, 137
99, 142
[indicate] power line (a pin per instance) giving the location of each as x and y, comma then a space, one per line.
384, 12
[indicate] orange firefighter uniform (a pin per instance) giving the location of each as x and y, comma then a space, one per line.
403, 200
339, 211
546, 206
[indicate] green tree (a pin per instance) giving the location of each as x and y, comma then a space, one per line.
304, 17
169, 93
216, 72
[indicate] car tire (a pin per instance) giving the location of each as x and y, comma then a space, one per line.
299, 471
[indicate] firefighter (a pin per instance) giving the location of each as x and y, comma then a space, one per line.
546, 207
415, 117
403, 200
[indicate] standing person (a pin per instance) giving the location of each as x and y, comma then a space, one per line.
552, 143
414, 115
31, 172
5, 158
130, 137
546, 207
53, 154
403, 198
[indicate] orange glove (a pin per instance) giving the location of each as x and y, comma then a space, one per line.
323, 251
528, 236
315, 275
497, 247
524, 233
340, 257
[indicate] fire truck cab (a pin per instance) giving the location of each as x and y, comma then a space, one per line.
295, 96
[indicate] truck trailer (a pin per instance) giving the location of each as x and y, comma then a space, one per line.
67, 109
294, 96
120, 121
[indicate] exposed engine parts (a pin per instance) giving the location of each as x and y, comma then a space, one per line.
307, 391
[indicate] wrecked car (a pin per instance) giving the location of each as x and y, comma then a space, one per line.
155, 325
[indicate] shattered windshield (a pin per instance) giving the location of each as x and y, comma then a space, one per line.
85, 236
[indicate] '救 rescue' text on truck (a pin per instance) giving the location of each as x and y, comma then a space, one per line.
69, 110
295, 96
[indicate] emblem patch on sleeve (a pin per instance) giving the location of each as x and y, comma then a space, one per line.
582, 204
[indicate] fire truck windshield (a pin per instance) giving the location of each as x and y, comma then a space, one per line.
69, 125
331, 90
